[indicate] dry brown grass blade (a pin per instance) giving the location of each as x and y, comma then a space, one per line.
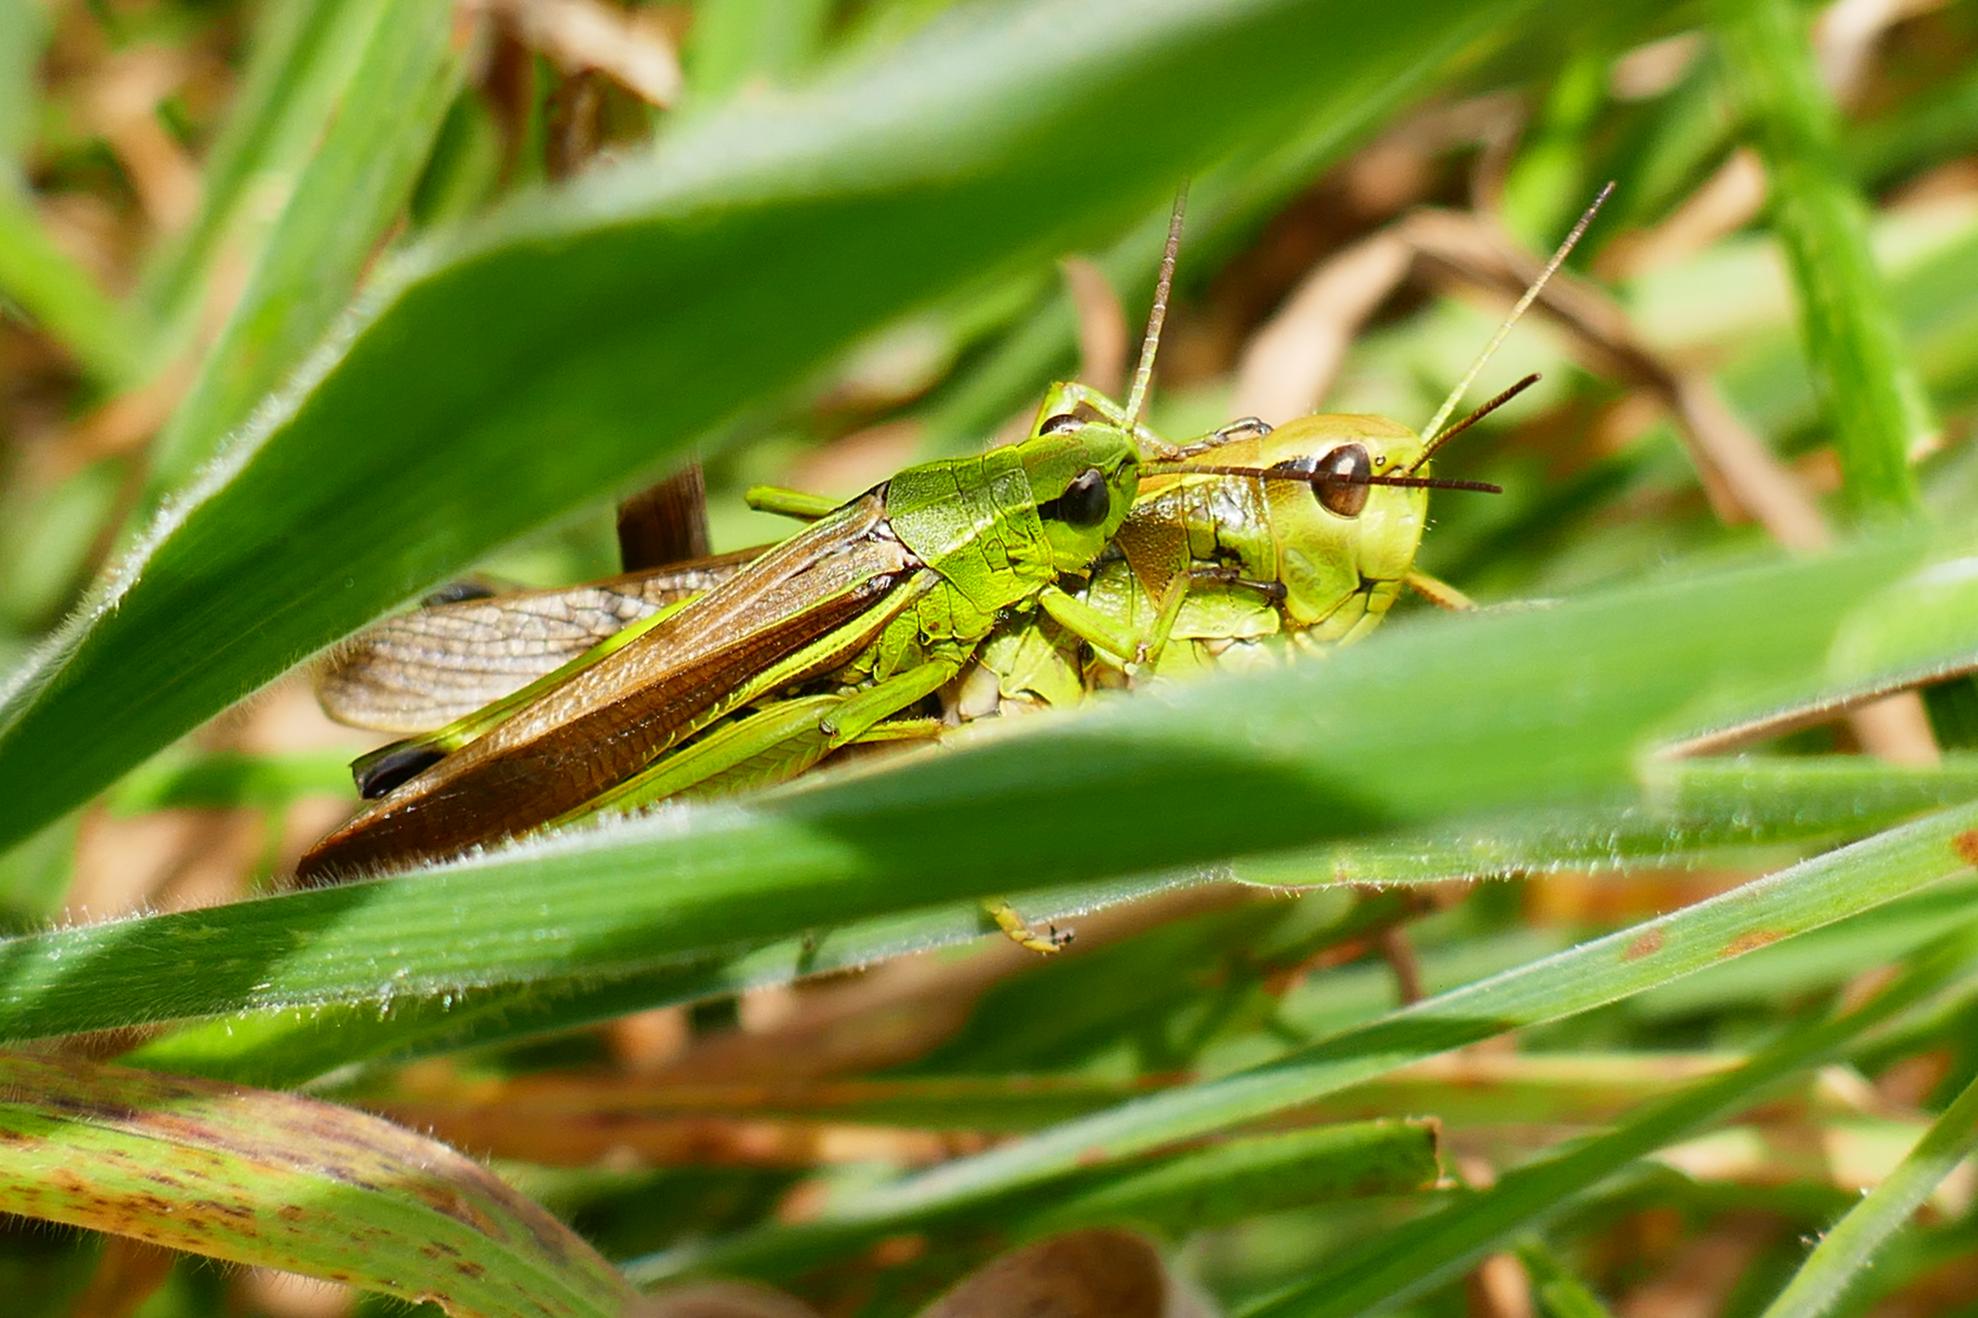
1081, 1274
1288, 364
128, 1273
563, 1137
904, 1008
578, 35
1499, 1288
1102, 331
1844, 42
575, 1120
1741, 476
122, 104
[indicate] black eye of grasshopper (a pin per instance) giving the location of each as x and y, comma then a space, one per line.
1085, 502
1062, 421
1344, 475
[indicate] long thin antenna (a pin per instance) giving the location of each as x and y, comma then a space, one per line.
1434, 426
1474, 417
1143, 374
1317, 477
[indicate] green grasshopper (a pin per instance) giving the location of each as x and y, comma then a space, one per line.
1293, 539
892, 592
1303, 536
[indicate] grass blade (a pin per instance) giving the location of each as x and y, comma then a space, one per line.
284, 1182
23, 37
1379, 737
60, 297
1691, 812
1823, 1280
1239, 1178
1869, 388
356, 181
272, 1045
299, 67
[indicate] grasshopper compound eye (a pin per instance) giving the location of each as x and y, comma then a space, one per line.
1348, 468
1344, 475
1085, 502
1062, 421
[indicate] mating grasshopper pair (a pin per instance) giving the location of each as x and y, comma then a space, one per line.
1030, 572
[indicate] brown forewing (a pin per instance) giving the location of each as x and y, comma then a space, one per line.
838, 579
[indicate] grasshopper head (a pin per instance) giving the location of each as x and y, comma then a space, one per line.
1336, 537
1083, 475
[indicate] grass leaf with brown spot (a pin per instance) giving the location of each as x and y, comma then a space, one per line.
282, 1181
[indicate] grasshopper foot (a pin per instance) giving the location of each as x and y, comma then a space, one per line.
1018, 931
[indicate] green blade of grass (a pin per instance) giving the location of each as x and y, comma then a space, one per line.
734, 43
1743, 800
299, 66
285, 1182
1869, 388
1823, 960
23, 37
1239, 1178
1556, 1291
1691, 812
185, 779
35, 274
570, 345
60, 297
1226, 205
1850, 1247
356, 181
1939, 123
1379, 737
1420, 1255
1593, 974
287, 1045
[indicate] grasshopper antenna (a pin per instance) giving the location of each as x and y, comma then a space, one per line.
1474, 417
1433, 433
1143, 374
1318, 478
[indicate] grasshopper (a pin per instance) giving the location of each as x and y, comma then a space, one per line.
893, 591
1293, 539
1298, 537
